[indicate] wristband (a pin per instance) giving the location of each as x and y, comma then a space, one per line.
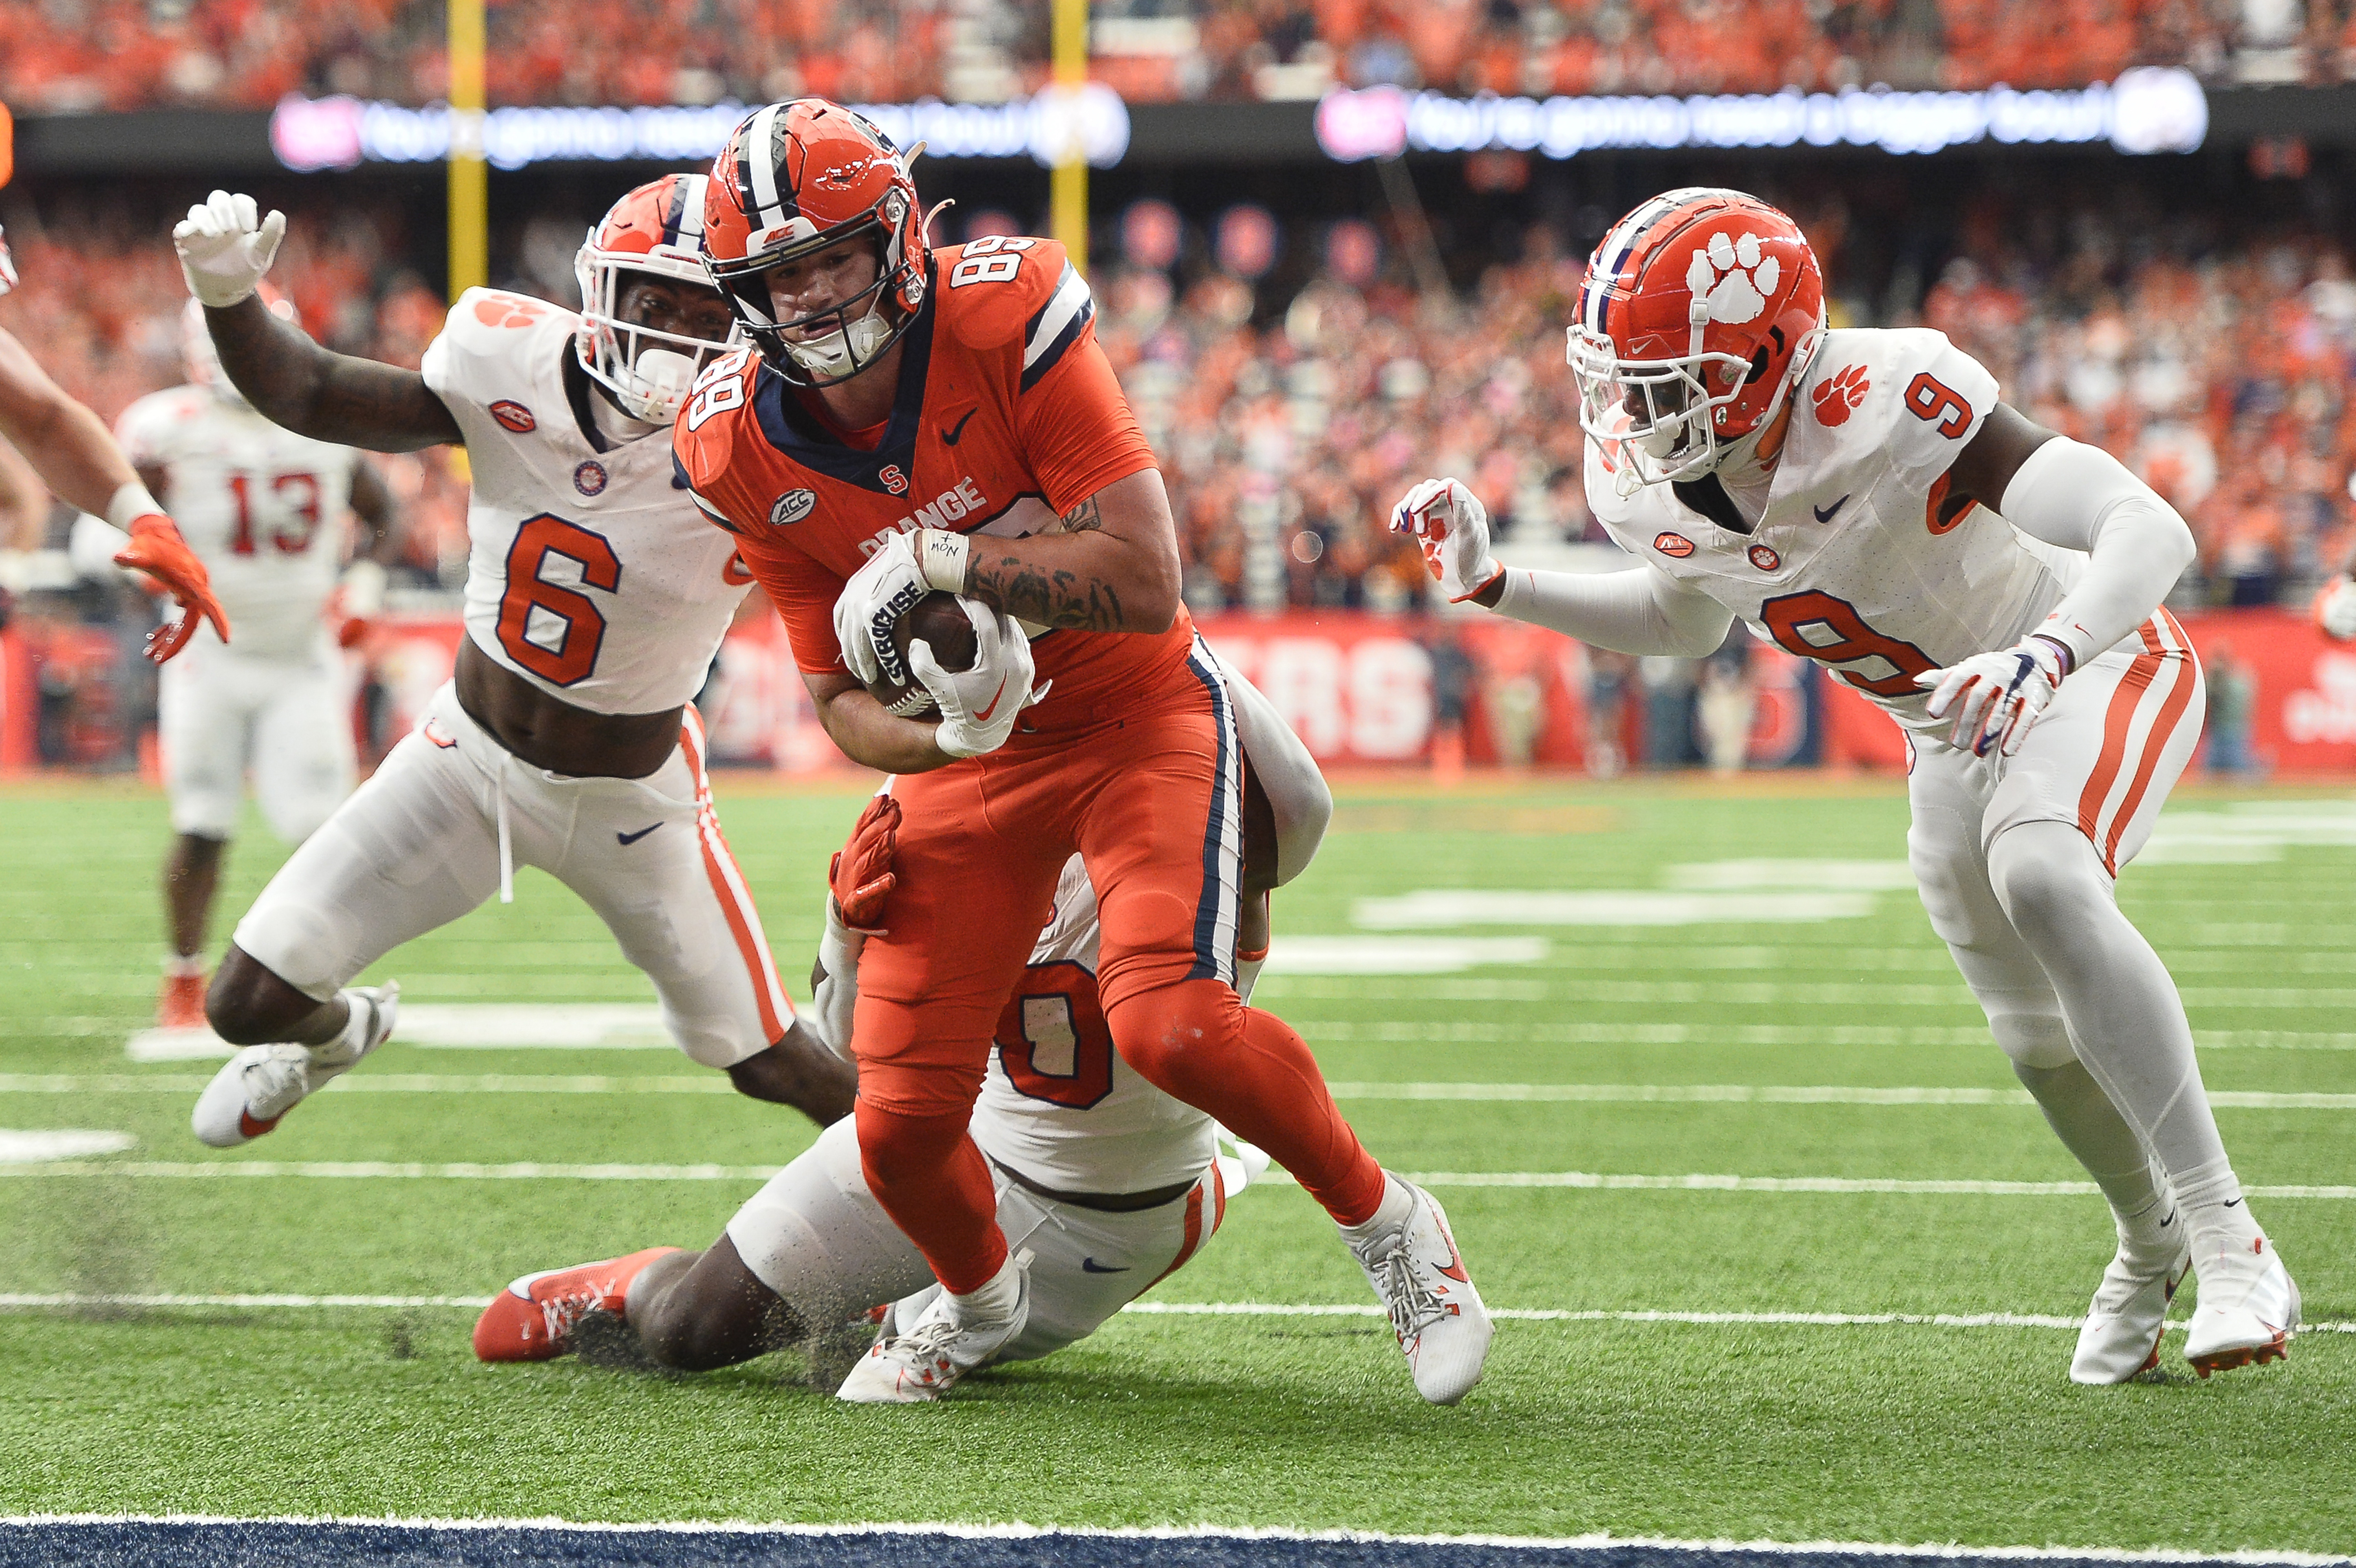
941, 557
2069, 654
131, 502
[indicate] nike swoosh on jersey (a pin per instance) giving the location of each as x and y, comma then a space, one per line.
1090, 1266
1825, 514
996, 697
626, 839
949, 437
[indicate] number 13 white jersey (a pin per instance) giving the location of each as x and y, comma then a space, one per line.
592, 573
1862, 561
263, 507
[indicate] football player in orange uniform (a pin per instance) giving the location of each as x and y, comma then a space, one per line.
909, 420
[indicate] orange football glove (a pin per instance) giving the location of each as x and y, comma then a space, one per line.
157, 549
861, 875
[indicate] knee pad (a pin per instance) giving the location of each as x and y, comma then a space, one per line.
1161, 1033
2046, 873
2032, 1039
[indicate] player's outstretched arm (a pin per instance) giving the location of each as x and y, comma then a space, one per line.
318, 392
1113, 568
225, 246
1638, 611
68, 445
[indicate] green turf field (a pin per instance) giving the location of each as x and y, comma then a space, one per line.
1541, 1047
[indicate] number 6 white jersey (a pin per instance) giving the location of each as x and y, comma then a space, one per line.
592, 573
1862, 561
263, 507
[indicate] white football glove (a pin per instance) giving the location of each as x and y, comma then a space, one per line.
877, 595
979, 706
1995, 697
1453, 526
2335, 610
225, 247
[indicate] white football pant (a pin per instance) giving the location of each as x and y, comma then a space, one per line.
429, 837
219, 715
816, 1237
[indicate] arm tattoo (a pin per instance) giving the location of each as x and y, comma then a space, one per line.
1085, 517
1051, 597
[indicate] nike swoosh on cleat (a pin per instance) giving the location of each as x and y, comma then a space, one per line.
626, 839
2232, 1201
1090, 1266
1455, 1271
1825, 514
949, 437
995, 698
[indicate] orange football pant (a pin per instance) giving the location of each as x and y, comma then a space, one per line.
1152, 802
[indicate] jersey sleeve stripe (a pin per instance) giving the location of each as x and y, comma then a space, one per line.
1055, 327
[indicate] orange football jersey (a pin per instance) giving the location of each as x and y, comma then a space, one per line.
1008, 416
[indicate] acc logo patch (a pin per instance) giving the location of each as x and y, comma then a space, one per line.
1837, 398
891, 477
794, 506
1672, 544
589, 479
514, 416
1766, 560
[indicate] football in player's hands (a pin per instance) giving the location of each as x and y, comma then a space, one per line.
941, 621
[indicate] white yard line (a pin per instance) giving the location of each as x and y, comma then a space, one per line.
1692, 1094
1212, 1309
386, 1170
1597, 1542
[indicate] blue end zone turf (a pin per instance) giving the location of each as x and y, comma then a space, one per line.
117, 1543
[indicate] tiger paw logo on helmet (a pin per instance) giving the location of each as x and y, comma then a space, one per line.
1837, 398
1733, 278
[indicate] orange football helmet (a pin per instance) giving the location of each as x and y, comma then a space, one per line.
1699, 310
656, 227
794, 179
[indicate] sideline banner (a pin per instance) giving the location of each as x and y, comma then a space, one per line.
1368, 690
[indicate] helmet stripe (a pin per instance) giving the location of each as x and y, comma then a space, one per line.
758, 167
692, 189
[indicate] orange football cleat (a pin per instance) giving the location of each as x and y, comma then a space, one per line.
532, 1319
181, 1003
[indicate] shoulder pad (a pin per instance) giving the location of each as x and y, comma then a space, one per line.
991, 287
488, 325
152, 419
1907, 390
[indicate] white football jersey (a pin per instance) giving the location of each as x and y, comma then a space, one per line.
1861, 561
592, 574
265, 509
1059, 1105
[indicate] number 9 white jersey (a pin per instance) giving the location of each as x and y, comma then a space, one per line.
591, 574
1863, 561
265, 509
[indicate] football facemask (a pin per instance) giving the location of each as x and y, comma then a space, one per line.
655, 230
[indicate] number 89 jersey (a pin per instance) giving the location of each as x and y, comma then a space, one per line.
1862, 561
591, 573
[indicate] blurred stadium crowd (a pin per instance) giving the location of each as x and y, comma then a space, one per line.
73, 56
2218, 367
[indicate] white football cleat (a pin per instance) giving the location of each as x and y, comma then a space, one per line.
936, 1350
2247, 1311
262, 1083
1437, 1315
2129, 1315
